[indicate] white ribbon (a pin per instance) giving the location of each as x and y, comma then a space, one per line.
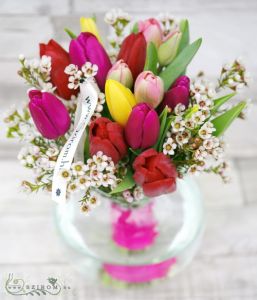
87, 102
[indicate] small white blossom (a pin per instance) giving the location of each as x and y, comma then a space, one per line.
206, 130
89, 69
52, 151
74, 81
127, 196
183, 137
72, 187
178, 124
65, 174
78, 168
84, 182
138, 193
179, 109
201, 154
71, 69
169, 146
198, 118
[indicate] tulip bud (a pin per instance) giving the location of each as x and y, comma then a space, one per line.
143, 126
149, 88
152, 31
49, 114
178, 93
120, 101
89, 25
121, 73
168, 50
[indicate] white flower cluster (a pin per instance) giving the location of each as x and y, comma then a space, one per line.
99, 171
76, 75
37, 158
135, 195
234, 75
202, 93
37, 72
19, 124
115, 15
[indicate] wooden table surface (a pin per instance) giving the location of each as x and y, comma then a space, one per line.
225, 267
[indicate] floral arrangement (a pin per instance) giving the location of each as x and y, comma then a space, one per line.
151, 124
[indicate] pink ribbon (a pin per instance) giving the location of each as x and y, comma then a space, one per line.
134, 229
140, 274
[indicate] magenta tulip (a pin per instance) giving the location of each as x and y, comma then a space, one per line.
49, 114
178, 93
142, 128
86, 47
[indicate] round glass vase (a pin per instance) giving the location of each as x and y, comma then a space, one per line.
133, 245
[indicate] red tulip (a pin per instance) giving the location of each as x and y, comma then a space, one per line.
59, 61
108, 137
133, 52
155, 172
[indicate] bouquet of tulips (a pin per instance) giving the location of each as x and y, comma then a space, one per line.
151, 124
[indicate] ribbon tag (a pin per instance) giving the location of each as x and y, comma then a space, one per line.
87, 102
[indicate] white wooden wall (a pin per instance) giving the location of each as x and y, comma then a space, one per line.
226, 265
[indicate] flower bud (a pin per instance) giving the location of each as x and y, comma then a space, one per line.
121, 73
178, 93
142, 128
168, 50
120, 101
152, 31
149, 88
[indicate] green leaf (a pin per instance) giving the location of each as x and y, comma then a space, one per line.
184, 28
220, 101
70, 33
135, 152
164, 133
222, 122
151, 58
179, 64
127, 183
135, 28
163, 119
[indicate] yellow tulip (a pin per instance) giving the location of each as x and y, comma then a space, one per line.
89, 25
120, 101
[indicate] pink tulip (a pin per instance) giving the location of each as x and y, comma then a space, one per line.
178, 93
149, 88
152, 31
49, 114
86, 47
142, 128
121, 73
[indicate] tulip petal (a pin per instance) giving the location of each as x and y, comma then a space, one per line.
115, 132
89, 25
134, 128
151, 129
104, 145
42, 122
56, 112
120, 101
161, 187
77, 53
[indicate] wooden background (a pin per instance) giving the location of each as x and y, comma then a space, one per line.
226, 264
